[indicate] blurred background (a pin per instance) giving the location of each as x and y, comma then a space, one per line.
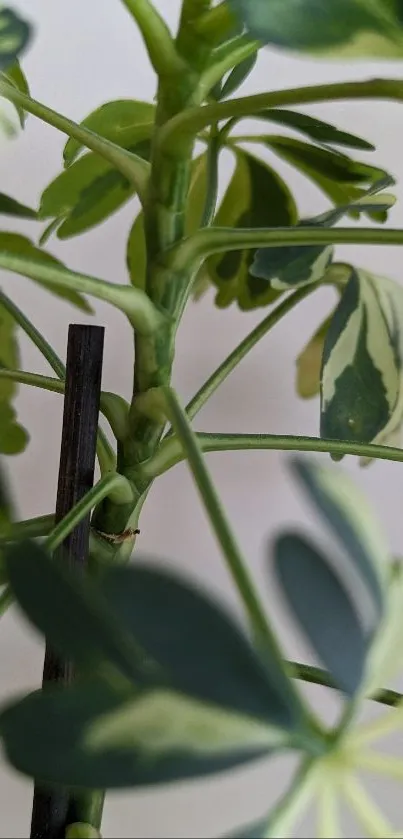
84, 54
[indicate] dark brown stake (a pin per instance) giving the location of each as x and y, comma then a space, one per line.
52, 808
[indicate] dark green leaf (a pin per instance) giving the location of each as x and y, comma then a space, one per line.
323, 609
237, 76
124, 122
314, 128
342, 179
343, 29
17, 245
11, 207
6, 505
14, 36
86, 194
17, 78
70, 612
93, 736
136, 253
348, 515
214, 663
290, 266
13, 437
256, 197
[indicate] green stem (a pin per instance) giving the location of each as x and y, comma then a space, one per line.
215, 24
112, 406
160, 45
134, 168
112, 485
106, 456
208, 242
29, 528
242, 350
193, 120
213, 155
132, 301
6, 599
171, 451
237, 567
40, 342
294, 801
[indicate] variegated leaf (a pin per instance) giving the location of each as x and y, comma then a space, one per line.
361, 382
309, 363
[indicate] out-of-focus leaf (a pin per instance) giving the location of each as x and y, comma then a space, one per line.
309, 363
15, 75
362, 387
94, 736
136, 253
348, 28
323, 609
14, 36
17, 245
124, 122
314, 128
256, 197
215, 663
13, 437
237, 76
352, 521
11, 207
87, 193
50, 596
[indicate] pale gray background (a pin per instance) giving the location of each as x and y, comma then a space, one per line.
84, 54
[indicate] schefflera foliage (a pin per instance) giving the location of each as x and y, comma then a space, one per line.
155, 710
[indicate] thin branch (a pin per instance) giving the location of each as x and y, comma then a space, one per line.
134, 302
160, 45
170, 451
317, 676
243, 49
193, 120
214, 240
133, 167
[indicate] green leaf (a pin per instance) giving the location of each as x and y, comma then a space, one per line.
352, 521
6, 504
290, 266
92, 735
314, 128
49, 596
136, 253
87, 193
15, 75
124, 122
309, 363
11, 207
323, 609
237, 76
13, 437
348, 28
215, 663
362, 387
256, 197
14, 36
342, 179
14, 243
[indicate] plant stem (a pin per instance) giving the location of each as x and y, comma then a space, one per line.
105, 453
241, 51
160, 45
242, 350
29, 528
6, 599
171, 452
132, 301
261, 628
215, 23
214, 240
40, 342
113, 485
294, 801
193, 120
134, 168
213, 155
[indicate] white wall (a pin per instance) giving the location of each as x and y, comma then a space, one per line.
84, 54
